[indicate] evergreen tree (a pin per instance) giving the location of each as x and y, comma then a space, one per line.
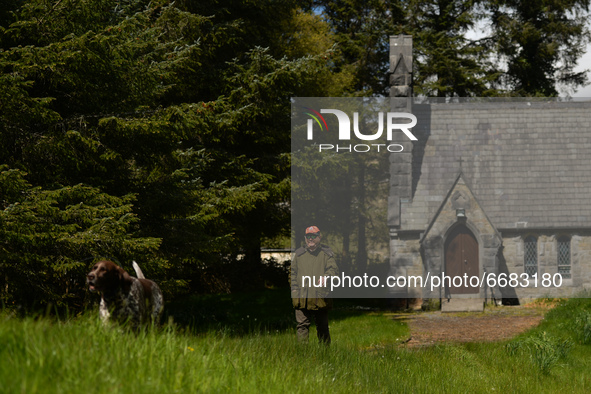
532, 47
447, 63
171, 115
541, 42
49, 238
362, 29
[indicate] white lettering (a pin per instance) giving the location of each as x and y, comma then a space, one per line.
361, 148
304, 281
401, 126
390, 148
368, 137
345, 125
344, 122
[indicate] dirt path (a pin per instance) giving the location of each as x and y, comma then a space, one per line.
495, 324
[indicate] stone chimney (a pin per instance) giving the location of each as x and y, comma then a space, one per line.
401, 101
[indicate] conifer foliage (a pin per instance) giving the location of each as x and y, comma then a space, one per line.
139, 130
464, 48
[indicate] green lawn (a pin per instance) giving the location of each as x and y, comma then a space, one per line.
247, 343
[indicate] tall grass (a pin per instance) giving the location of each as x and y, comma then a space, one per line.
230, 351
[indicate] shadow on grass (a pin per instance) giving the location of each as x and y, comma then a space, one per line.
266, 311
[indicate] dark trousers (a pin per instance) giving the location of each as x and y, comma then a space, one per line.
304, 317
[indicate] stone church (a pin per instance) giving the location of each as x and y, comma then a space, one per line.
489, 188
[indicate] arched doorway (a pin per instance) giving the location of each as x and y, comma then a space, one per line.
461, 260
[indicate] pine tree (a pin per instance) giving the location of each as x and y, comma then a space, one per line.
541, 42
362, 29
170, 115
49, 238
447, 62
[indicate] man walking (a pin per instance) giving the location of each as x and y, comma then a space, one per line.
309, 295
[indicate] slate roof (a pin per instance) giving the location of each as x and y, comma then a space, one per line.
528, 164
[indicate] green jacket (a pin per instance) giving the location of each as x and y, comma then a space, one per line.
305, 293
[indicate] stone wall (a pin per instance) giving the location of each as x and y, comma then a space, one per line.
405, 261
514, 256
413, 256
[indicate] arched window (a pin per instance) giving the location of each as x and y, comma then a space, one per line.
530, 255
564, 257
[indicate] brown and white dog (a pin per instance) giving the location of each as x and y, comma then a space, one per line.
123, 297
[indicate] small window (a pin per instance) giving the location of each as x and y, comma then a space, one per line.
530, 255
564, 257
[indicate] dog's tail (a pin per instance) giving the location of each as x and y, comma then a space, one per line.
138, 271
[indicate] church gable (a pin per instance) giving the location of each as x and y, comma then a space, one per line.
460, 209
460, 204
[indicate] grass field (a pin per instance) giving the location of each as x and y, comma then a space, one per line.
246, 343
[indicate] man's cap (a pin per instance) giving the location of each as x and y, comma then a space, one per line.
312, 230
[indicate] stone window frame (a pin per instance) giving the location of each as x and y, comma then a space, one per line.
564, 256
530, 252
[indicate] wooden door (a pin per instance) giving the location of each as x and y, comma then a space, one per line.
461, 260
